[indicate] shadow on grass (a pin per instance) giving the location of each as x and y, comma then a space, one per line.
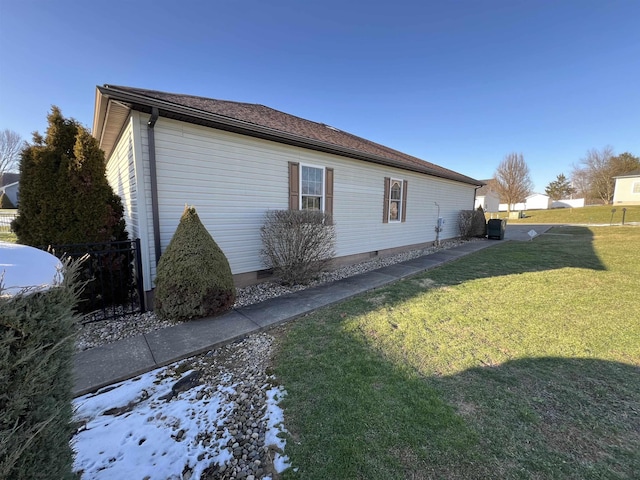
354, 413
550, 417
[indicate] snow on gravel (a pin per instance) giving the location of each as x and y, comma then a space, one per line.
139, 427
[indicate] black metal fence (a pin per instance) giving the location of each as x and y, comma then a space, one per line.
113, 275
6, 217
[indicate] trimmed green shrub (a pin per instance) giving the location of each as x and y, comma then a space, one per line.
193, 278
297, 244
5, 201
36, 349
471, 223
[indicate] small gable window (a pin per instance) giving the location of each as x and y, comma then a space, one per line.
395, 199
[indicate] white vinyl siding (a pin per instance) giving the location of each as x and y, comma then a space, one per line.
232, 180
121, 176
627, 190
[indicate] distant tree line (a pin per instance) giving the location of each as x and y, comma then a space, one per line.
593, 178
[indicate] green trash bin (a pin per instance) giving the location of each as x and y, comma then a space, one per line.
496, 228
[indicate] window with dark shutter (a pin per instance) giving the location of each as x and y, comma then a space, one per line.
310, 187
328, 191
404, 201
395, 200
294, 186
385, 205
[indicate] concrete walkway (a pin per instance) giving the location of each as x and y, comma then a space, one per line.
124, 359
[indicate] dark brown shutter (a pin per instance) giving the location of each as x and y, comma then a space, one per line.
294, 186
404, 201
328, 191
385, 207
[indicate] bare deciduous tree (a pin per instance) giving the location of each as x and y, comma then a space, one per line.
580, 181
511, 179
11, 144
597, 170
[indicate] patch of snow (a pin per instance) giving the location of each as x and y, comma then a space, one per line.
134, 426
27, 269
152, 437
276, 430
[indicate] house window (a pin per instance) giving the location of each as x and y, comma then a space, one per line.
311, 188
395, 200
636, 187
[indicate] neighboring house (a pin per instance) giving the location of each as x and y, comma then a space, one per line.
234, 161
11, 186
487, 198
627, 189
535, 201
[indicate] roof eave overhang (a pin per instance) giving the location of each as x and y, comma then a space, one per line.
199, 117
109, 118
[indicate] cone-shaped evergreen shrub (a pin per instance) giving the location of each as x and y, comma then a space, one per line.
193, 277
5, 201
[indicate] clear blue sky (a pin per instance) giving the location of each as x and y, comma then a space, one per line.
457, 83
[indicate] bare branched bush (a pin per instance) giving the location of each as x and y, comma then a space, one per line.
471, 223
297, 244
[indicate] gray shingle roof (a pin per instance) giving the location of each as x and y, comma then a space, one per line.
266, 122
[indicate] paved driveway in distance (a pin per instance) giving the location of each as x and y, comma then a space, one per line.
520, 231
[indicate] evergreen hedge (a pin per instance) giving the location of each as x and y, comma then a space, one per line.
36, 349
64, 194
193, 278
65, 199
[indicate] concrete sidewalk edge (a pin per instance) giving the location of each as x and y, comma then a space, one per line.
115, 362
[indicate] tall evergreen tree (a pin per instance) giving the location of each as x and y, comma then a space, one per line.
560, 188
64, 193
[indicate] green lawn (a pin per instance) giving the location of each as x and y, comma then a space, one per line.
8, 237
585, 215
520, 361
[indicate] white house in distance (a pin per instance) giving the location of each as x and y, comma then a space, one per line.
535, 201
487, 198
234, 161
627, 189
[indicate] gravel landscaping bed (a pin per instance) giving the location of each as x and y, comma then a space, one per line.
103, 332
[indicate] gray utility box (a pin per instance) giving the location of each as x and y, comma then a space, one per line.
496, 228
